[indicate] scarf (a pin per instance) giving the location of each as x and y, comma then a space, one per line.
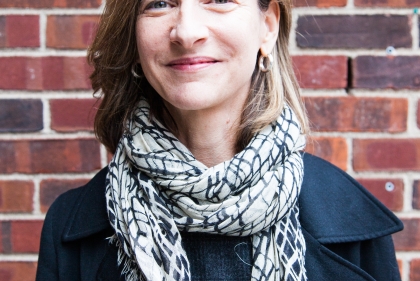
156, 188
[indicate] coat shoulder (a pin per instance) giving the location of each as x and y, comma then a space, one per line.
60, 211
80, 211
335, 208
77, 213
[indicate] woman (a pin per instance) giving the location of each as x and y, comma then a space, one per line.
202, 112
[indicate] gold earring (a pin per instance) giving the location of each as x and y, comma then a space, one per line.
262, 65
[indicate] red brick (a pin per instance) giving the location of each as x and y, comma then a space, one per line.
20, 236
44, 73
13, 71
386, 154
52, 188
3, 35
393, 72
73, 114
22, 31
17, 271
50, 3
321, 72
49, 156
409, 238
5, 235
333, 150
21, 115
415, 270
387, 4
381, 189
79, 30
19, 31
65, 73
319, 3
25, 236
416, 195
418, 114
16, 196
353, 31
352, 114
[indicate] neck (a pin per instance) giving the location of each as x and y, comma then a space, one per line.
209, 134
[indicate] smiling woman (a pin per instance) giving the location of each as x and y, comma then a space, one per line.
222, 28
202, 112
194, 44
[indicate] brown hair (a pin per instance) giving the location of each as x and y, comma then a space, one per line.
114, 57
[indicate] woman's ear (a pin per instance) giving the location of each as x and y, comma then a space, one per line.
271, 20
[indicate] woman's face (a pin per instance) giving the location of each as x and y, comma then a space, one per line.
200, 54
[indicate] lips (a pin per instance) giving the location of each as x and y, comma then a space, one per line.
193, 63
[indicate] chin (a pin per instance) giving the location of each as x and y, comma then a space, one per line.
189, 105
190, 102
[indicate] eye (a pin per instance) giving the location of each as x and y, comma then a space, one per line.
157, 5
222, 5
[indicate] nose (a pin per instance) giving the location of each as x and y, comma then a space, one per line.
189, 28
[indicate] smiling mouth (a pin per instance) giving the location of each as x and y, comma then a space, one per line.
192, 64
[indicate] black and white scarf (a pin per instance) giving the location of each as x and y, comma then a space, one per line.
156, 188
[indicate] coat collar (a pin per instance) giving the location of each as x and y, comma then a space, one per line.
89, 214
334, 208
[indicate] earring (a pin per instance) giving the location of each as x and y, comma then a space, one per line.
133, 71
261, 63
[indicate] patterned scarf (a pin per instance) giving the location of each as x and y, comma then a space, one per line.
156, 188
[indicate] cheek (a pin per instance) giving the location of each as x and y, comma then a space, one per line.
145, 47
143, 43
243, 37
151, 31
245, 48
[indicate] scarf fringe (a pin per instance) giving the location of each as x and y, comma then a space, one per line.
130, 268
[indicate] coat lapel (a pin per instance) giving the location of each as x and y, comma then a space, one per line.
323, 264
108, 269
334, 208
89, 224
89, 213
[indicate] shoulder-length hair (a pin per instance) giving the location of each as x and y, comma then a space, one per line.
114, 56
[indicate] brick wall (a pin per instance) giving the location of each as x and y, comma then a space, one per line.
363, 99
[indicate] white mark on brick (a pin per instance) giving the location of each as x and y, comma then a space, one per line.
389, 186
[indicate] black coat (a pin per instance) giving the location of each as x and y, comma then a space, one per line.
347, 231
